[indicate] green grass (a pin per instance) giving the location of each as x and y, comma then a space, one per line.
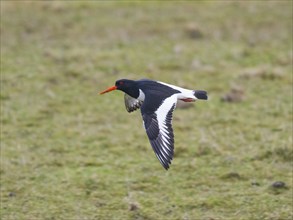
68, 153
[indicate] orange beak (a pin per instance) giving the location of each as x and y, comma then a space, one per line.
109, 90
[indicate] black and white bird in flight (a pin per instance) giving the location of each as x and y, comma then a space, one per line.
157, 101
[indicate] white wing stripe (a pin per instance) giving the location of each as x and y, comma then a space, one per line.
163, 110
165, 150
165, 139
164, 147
161, 113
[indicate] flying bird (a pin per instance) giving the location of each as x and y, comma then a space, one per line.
157, 101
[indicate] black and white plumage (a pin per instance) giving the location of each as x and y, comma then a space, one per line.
157, 101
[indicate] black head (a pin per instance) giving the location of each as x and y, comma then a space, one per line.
125, 85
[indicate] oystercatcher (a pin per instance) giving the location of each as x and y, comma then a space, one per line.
157, 101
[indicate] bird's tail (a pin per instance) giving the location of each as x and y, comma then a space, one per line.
200, 94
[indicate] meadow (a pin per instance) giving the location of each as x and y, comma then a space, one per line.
69, 153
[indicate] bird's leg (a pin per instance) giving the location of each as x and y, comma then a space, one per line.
188, 100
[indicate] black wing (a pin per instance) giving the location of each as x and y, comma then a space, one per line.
159, 130
131, 104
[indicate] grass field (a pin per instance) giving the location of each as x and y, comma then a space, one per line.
69, 153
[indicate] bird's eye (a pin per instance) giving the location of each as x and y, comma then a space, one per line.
121, 83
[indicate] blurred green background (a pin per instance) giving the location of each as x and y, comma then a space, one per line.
68, 153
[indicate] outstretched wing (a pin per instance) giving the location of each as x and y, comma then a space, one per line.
131, 104
159, 129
